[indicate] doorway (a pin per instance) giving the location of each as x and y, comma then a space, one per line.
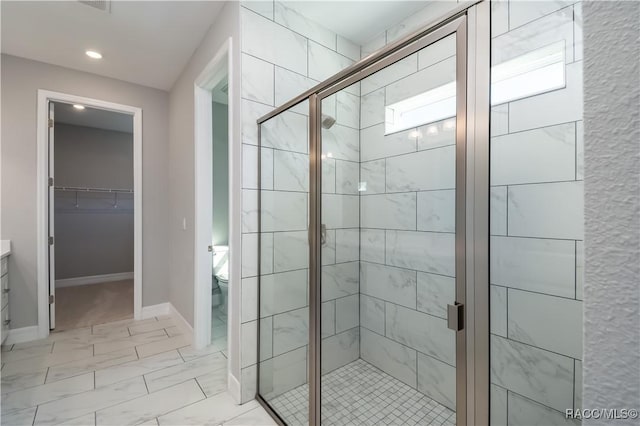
220, 217
372, 292
91, 215
89, 212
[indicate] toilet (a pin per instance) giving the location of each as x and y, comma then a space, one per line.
221, 272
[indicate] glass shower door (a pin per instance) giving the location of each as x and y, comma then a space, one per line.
388, 221
283, 269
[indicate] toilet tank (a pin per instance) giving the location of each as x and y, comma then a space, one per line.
221, 261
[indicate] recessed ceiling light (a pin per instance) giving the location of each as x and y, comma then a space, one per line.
93, 54
77, 106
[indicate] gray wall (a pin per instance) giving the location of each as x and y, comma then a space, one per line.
612, 206
181, 167
94, 238
95, 158
21, 79
220, 174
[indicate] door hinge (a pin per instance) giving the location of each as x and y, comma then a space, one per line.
50, 181
455, 316
52, 299
210, 249
50, 241
50, 122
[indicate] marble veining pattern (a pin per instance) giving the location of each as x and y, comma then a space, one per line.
109, 388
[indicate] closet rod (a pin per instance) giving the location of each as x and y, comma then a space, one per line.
78, 189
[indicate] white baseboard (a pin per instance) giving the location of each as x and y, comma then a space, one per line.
94, 279
182, 323
24, 334
156, 310
233, 385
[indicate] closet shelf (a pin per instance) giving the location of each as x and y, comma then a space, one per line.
79, 189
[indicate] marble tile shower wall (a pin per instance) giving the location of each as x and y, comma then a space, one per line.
407, 219
537, 225
284, 54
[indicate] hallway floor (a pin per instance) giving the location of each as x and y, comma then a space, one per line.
86, 305
120, 373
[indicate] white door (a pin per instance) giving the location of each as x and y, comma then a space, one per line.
52, 252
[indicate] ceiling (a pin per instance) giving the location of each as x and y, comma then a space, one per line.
143, 42
93, 117
357, 20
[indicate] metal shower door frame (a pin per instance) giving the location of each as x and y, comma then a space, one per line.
470, 23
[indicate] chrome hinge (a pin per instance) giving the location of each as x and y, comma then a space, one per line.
52, 299
50, 122
210, 249
50, 181
455, 316
50, 241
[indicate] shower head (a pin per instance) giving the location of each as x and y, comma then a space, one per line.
327, 121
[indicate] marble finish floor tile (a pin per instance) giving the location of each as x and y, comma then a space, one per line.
16, 354
154, 348
93, 363
211, 411
140, 367
18, 381
152, 405
49, 360
151, 326
185, 371
107, 374
129, 341
255, 417
20, 417
37, 395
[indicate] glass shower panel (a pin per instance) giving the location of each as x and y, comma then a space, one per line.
536, 243
388, 244
284, 263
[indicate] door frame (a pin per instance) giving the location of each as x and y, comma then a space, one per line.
220, 66
471, 21
42, 194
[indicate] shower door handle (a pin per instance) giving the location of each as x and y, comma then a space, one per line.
323, 234
455, 316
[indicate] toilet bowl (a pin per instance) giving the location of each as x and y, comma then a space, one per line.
221, 273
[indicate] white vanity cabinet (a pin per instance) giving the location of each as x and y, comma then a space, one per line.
4, 291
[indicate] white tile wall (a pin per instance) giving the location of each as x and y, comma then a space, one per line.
532, 372
437, 380
389, 356
538, 265
290, 250
426, 333
550, 210
540, 155
388, 283
375, 145
436, 211
521, 410
274, 43
555, 330
422, 251
257, 79
290, 330
435, 292
422, 171
290, 18
537, 224
388, 211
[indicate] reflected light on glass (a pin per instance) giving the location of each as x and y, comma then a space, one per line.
539, 71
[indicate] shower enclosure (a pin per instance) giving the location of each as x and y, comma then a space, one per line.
374, 230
